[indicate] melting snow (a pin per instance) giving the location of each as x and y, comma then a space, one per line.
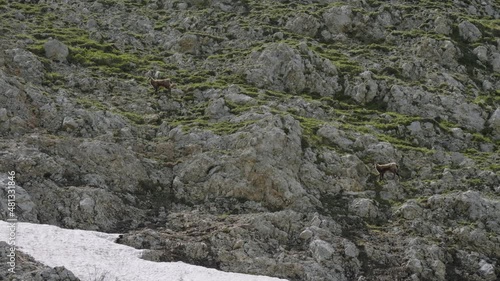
92, 255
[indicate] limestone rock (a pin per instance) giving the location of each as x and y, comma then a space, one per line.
444, 52
335, 136
278, 67
282, 68
306, 234
494, 123
413, 70
495, 61
217, 109
442, 25
58, 273
402, 99
26, 64
487, 270
469, 32
482, 53
321, 250
365, 208
28, 268
351, 250
363, 90
303, 24
3, 114
234, 95
338, 19
188, 43
410, 210
69, 124
25, 208
382, 152
56, 50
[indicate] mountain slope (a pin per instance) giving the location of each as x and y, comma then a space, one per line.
262, 159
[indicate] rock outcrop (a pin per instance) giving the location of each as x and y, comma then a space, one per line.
26, 268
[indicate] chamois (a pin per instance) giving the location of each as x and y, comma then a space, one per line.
166, 83
389, 167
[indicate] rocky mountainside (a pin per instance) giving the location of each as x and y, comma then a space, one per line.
261, 160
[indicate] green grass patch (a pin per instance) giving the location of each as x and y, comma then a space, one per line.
30, 9
494, 167
310, 127
481, 138
53, 79
203, 123
134, 117
492, 99
91, 104
344, 64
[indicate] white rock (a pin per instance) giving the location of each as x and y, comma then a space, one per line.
303, 24
469, 32
410, 210
494, 123
56, 50
351, 250
321, 250
188, 44
442, 26
457, 133
3, 114
217, 109
28, 65
87, 204
439, 269
414, 127
364, 89
338, 19
487, 270
69, 124
365, 208
335, 136
495, 61
481, 53
415, 265
278, 67
306, 234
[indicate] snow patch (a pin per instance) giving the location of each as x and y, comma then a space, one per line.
91, 255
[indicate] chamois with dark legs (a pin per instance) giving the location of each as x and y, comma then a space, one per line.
166, 83
389, 167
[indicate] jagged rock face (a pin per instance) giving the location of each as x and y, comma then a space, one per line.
415, 102
338, 19
304, 24
280, 67
261, 160
25, 64
262, 166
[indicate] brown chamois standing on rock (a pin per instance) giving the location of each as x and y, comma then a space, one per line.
389, 167
166, 83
